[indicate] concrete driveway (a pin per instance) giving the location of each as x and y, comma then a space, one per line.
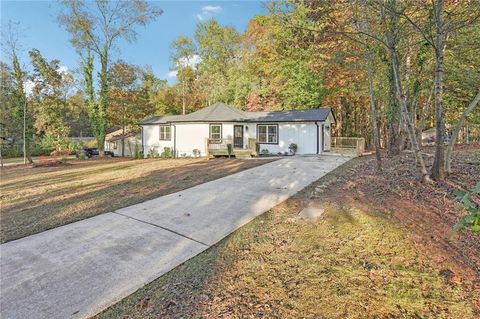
77, 270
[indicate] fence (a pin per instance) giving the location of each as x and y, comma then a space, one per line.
354, 145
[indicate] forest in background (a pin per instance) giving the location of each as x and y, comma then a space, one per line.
389, 69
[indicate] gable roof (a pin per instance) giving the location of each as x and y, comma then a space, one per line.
118, 135
309, 115
221, 112
215, 112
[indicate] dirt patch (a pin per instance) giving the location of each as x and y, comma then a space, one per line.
34, 200
363, 258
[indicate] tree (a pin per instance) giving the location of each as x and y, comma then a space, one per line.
217, 49
96, 27
182, 55
128, 102
22, 114
453, 139
435, 30
50, 93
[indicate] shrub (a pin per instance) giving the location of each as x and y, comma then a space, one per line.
230, 149
196, 153
167, 152
293, 148
264, 152
81, 156
472, 220
136, 152
153, 153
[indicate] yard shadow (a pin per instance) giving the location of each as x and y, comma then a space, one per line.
32, 213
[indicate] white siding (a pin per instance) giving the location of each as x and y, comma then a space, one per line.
151, 139
191, 136
302, 134
130, 143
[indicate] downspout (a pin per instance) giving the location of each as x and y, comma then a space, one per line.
318, 136
174, 141
143, 146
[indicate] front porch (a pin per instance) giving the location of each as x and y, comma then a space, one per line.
225, 147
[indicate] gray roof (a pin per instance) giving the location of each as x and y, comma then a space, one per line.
220, 112
310, 115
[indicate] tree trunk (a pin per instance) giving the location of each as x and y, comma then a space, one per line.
423, 116
123, 140
183, 98
438, 168
451, 143
373, 108
101, 116
393, 117
403, 104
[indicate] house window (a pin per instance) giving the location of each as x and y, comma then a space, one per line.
267, 133
165, 133
114, 145
216, 132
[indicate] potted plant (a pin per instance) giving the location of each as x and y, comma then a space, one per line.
293, 148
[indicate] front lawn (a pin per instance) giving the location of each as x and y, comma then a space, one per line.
37, 199
362, 259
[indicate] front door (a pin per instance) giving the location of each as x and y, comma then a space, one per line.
238, 136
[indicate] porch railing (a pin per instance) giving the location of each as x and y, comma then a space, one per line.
349, 144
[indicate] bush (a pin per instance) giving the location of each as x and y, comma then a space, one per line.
167, 152
264, 152
230, 149
137, 153
153, 153
293, 148
472, 220
196, 153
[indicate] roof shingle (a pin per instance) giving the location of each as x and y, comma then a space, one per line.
220, 112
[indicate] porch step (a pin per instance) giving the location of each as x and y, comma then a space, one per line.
242, 153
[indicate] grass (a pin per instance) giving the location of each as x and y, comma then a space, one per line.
352, 263
36, 199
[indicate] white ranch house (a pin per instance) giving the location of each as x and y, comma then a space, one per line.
209, 131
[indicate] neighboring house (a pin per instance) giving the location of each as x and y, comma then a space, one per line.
113, 142
212, 128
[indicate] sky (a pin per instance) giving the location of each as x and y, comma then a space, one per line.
40, 30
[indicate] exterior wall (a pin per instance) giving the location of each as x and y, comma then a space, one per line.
151, 139
130, 143
190, 136
327, 133
302, 134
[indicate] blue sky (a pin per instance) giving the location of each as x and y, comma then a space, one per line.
40, 30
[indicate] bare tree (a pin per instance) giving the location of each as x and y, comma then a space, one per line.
456, 130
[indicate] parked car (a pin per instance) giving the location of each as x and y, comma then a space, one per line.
90, 152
